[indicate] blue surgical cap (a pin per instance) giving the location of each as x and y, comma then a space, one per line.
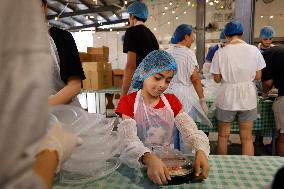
233, 27
138, 9
180, 32
155, 62
266, 32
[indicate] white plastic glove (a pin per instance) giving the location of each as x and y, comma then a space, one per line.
204, 105
61, 141
132, 147
190, 133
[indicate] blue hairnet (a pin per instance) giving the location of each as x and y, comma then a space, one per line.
266, 32
138, 9
233, 27
155, 62
180, 32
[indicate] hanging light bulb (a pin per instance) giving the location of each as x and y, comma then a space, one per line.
188, 3
110, 29
164, 13
155, 29
125, 2
173, 11
170, 3
211, 3
56, 18
117, 33
184, 12
176, 17
166, 8
87, 17
169, 22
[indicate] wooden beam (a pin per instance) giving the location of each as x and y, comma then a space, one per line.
97, 24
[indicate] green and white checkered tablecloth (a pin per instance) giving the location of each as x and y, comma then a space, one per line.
264, 125
225, 172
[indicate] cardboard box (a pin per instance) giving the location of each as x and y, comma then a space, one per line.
101, 53
107, 75
93, 66
84, 57
94, 72
118, 72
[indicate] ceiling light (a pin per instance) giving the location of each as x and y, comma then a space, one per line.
169, 22
261, 16
184, 12
211, 3
56, 18
173, 12
125, 2
271, 16
92, 17
166, 8
170, 3
117, 33
164, 13
176, 17
188, 3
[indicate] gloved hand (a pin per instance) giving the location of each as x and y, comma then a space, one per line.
203, 105
60, 141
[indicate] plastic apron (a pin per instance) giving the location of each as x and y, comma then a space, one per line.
154, 126
57, 83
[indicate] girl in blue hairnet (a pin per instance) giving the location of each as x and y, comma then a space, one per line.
236, 66
149, 116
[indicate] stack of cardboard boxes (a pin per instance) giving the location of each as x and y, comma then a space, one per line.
97, 69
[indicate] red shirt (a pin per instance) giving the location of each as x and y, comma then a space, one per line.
126, 104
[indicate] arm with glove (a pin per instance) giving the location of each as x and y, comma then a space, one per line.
196, 138
55, 148
195, 79
135, 154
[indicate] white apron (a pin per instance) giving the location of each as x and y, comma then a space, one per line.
190, 102
57, 83
154, 126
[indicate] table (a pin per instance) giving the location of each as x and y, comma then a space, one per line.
263, 126
102, 101
228, 171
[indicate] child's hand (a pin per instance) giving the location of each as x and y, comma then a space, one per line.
201, 161
156, 169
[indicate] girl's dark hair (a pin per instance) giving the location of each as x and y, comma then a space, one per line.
239, 34
44, 2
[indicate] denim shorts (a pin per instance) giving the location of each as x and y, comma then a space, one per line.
229, 116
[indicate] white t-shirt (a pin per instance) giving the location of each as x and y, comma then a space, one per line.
237, 63
186, 63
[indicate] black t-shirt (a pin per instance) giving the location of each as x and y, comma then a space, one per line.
141, 40
70, 64
274, 58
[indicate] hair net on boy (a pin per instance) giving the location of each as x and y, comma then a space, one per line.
233, 27
180, 32
155, 62
266, 32
138, 9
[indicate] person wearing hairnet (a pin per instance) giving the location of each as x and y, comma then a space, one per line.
138, 41
29, 157
67, 71
149, 116
266, 35
186, 84
236, 66
210, 55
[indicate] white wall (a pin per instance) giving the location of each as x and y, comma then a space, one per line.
276, 8
83, 40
